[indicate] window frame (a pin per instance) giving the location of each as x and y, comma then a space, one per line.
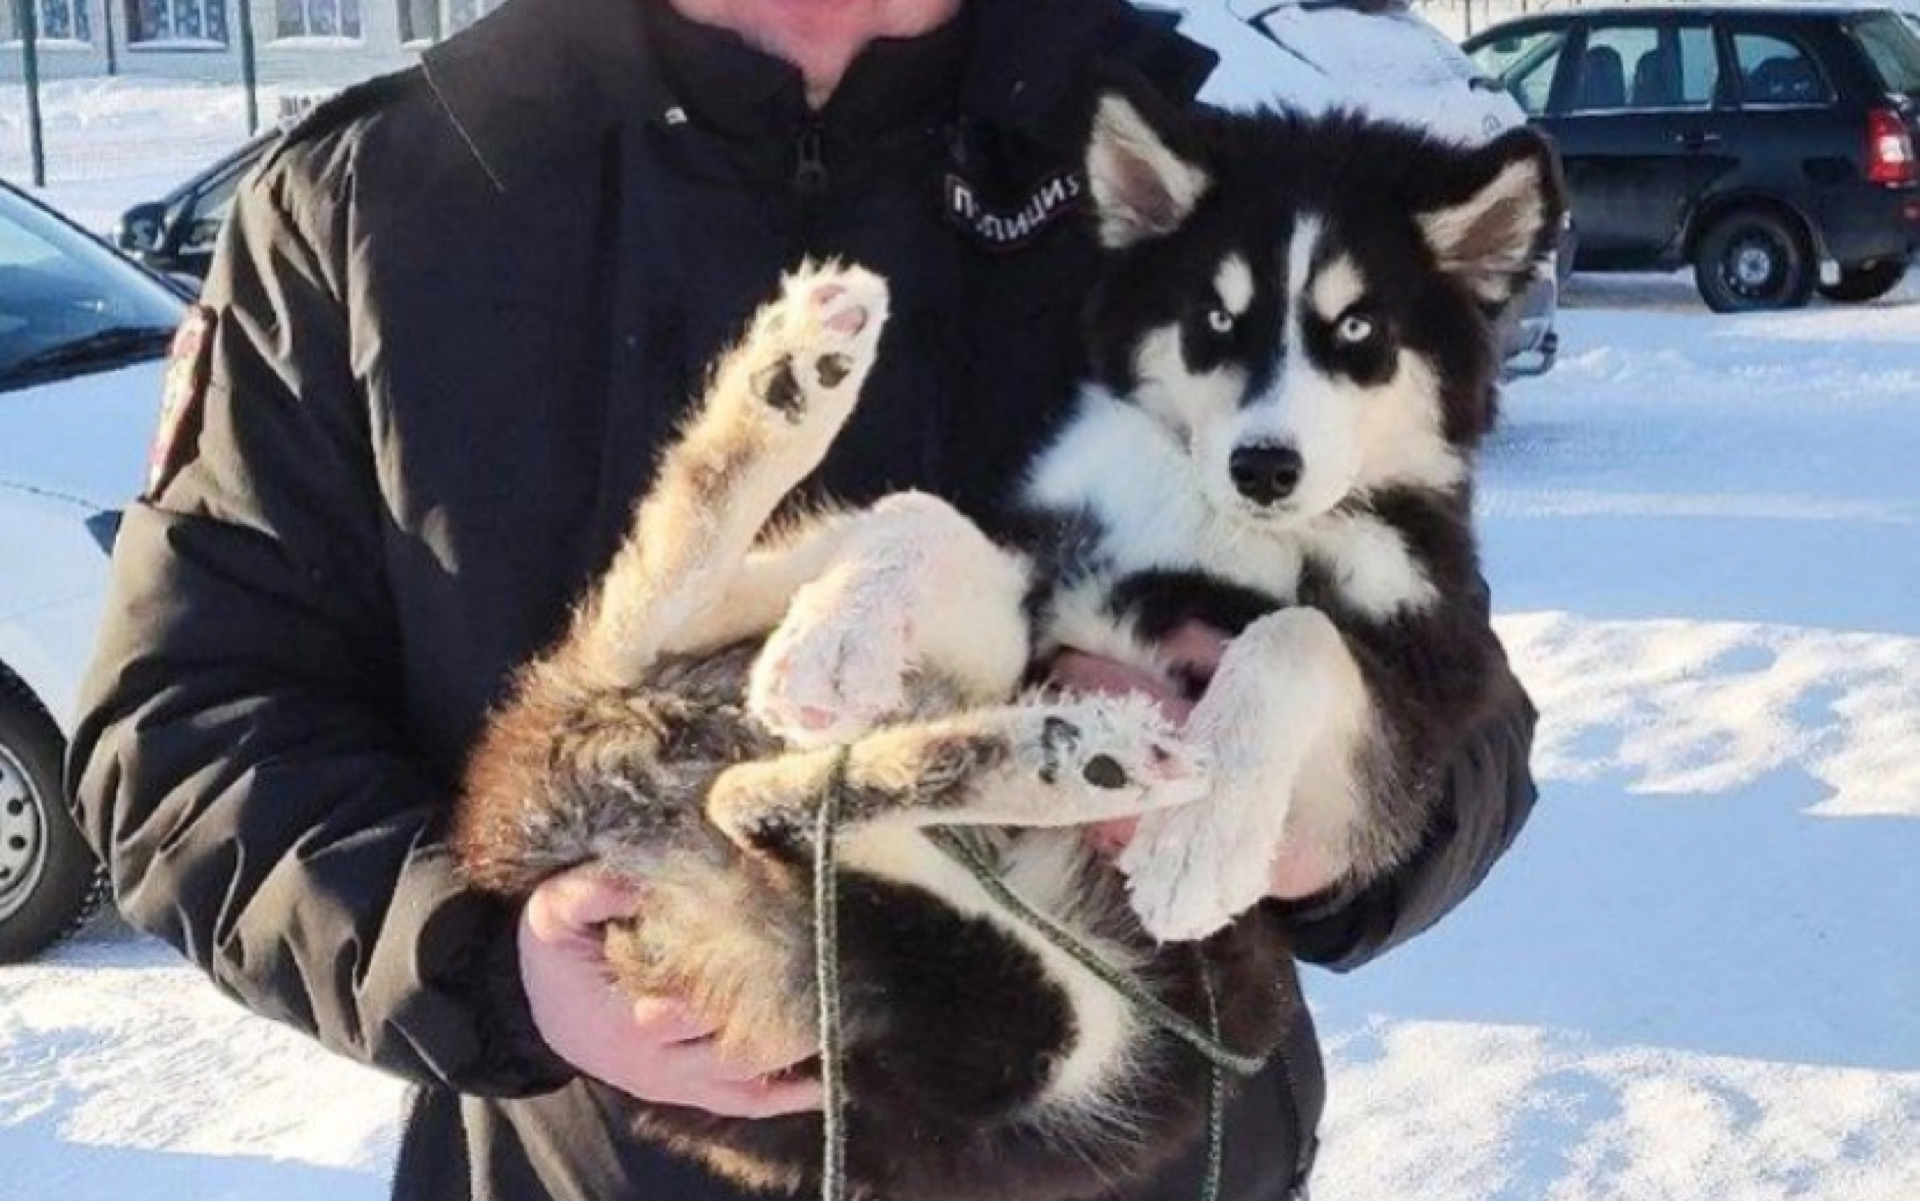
1664, 25
81, 11
1734, 25
443, 17
172, 42
295, 40
402, 10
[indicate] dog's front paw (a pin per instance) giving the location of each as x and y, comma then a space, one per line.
809, 352
1192, 871
1109, 757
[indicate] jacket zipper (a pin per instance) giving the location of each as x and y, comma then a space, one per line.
809, 181
810, 169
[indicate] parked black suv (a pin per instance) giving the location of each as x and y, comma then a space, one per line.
1771, 146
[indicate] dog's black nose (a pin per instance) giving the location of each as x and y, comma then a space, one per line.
1265, 473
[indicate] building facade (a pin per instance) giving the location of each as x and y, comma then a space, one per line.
320, 42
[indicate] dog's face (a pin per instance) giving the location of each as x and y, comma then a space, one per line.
1308, 305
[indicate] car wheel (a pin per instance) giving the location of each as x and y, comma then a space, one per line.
50, 883
1753, 259
1857, 285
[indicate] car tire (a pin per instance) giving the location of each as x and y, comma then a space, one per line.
50, 882
1753, 260
1857, 285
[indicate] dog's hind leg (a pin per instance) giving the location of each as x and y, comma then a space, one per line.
573, 764
1059, 763
774, 407
916, 587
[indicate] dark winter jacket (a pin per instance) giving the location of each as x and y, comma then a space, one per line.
453, 318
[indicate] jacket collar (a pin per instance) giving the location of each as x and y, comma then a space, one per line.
541, 78
536, 79
727, 85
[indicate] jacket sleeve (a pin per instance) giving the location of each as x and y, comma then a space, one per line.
1487, 794
240, 762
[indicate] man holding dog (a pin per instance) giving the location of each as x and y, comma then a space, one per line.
452, 320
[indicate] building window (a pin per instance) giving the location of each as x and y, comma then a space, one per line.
177, 22
420, 20
462, 13
319, 19
431, 20
59, 21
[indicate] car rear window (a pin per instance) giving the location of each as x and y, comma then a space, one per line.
1776, 70
1891, 41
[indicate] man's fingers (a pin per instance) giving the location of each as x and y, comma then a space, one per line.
583, 898
703, 1057
662, 1021
762, 1098
758, 1062
690, 1073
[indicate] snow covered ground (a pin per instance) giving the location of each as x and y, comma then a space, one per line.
1698, 976
1696, 979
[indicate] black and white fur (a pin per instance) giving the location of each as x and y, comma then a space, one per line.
1316, 293
1293, 363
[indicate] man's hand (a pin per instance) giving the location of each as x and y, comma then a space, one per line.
653, 1048
1193, 649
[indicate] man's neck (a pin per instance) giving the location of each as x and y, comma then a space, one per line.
822, 38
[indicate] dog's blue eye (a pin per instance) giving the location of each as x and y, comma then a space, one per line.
1219, 320
1355, 328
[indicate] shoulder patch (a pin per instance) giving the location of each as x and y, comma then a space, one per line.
181, 398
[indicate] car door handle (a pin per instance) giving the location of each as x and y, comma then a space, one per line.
1695, 139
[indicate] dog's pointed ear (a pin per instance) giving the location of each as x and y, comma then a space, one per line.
1496, 214
1143, 187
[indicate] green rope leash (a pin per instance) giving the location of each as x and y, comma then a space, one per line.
826, 980
1216, 1095
826, 920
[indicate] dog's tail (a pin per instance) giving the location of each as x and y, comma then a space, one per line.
564, 775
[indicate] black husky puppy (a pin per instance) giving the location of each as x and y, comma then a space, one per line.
1293, 351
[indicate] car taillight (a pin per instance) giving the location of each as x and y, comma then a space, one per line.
1889, 149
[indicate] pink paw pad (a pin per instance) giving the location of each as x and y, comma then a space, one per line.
848, 321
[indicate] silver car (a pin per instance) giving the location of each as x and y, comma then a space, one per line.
1380, 57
